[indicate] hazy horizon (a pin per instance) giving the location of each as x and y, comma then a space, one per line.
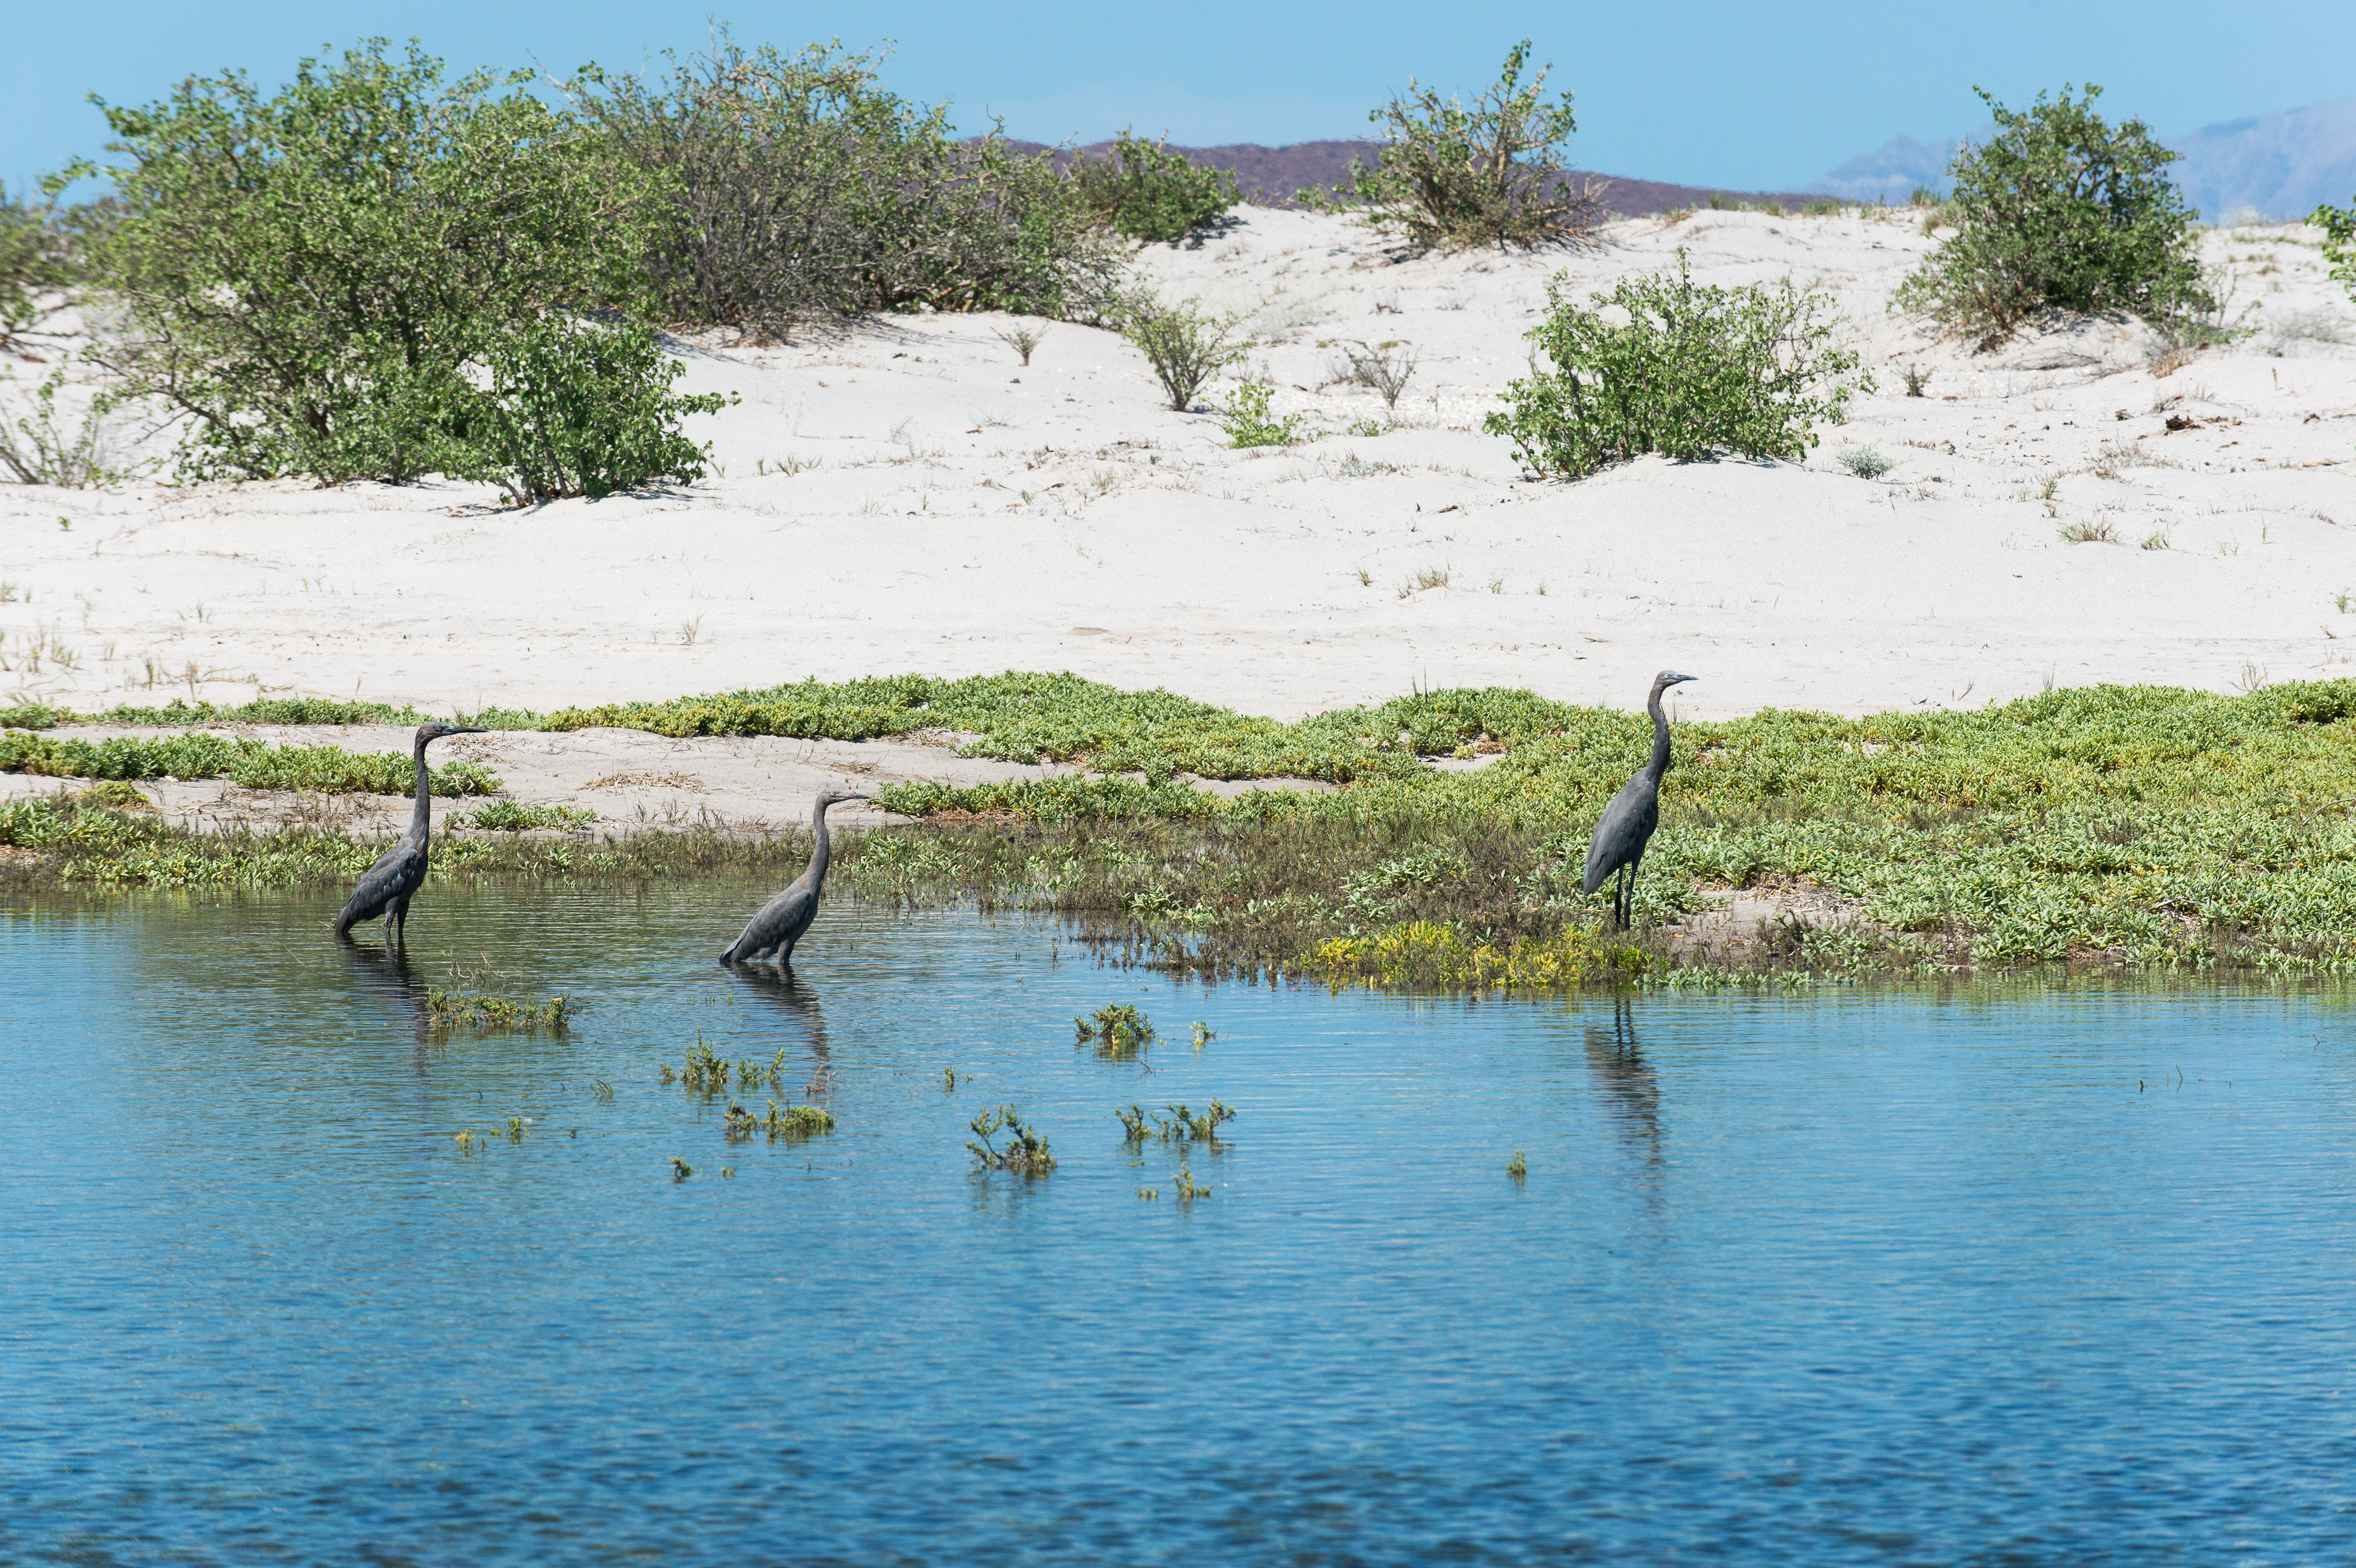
1765, 101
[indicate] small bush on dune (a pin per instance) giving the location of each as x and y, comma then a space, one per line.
1185, 345
1695, 369
1249, 421
1144, 190
2060, 209
580, 407
1449, 177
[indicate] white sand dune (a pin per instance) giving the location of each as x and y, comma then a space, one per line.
906, 497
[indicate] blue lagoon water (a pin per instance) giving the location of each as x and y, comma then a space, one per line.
2033, 1277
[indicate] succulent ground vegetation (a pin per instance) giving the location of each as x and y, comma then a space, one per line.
2114, 824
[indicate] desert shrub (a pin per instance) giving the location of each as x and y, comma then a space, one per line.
1447, 176
793, 188
1144, 190
579, 407
308, 277
1249, 421
2060, 209
1864, 462
1382, 368
1695, 369
1185, 346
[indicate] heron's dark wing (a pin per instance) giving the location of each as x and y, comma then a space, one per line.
782, 919
397, 870
1621, 832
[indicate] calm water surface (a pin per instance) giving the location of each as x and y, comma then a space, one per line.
1880, 1279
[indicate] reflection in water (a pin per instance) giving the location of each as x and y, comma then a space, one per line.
797, 998
1632, 1089
385, 974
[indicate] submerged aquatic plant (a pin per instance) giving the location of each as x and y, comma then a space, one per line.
1025, 1153
1117, 1031
494, 1015
1181, 1125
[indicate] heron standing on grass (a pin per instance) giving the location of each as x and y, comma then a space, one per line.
401, 870
1628, 822
784, 919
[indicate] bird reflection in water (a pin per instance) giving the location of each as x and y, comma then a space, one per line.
1632, 1090
794, 998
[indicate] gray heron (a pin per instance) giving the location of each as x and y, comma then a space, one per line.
1627, 824
399, 871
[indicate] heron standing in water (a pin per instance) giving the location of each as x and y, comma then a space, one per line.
401, 870
1628, 822
784, 919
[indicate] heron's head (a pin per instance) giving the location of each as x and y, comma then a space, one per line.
837, 797
1669, 678
436, 729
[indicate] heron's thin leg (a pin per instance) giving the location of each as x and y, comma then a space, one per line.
1630, 918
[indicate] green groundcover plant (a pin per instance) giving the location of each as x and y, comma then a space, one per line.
2060, 209
2139, 825
1690, 370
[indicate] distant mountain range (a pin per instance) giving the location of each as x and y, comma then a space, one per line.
2277, 166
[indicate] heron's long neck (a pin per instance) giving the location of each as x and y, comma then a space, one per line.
1660, 762
816, 872
420, 816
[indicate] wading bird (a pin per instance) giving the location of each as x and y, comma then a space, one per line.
1628, 822
784, 919
401, 870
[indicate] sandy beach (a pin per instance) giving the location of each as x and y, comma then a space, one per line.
905, 496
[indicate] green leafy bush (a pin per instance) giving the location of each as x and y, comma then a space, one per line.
580, 407
1249, 420
2060, 209
1447, 176
1695, 369
791, 189
1144, 190
1185, 346
307, 277
2338, 226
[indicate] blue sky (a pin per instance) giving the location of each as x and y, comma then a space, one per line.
1736, 93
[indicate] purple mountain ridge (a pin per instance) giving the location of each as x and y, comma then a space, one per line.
1271, 175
